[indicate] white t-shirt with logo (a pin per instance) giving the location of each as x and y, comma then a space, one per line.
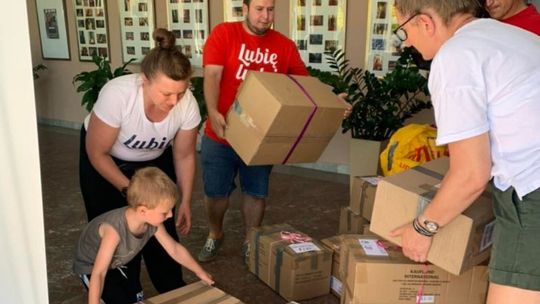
486, 78
120, 105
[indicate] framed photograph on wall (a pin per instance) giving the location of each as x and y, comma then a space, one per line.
137, 22
319, 28
52, 29
92, 31
188, 20
383, 47
232, 10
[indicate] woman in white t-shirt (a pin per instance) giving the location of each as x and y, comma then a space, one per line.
139, 120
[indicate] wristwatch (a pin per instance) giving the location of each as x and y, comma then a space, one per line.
430, 226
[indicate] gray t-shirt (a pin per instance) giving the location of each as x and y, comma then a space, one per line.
129, 246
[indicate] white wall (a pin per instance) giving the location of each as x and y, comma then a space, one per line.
536, 3
23, 273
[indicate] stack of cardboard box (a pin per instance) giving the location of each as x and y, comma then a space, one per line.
355, 217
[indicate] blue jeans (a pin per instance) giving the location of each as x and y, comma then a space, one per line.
221, 165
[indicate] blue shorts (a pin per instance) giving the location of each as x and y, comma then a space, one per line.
220, 166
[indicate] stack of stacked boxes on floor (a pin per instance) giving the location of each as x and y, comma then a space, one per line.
366, 263
362, 261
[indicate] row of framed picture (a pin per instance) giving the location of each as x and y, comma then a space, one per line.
187, 19
319, 28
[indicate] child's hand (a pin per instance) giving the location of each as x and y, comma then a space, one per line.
206, 277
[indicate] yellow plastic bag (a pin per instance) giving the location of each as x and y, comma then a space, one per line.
409, 147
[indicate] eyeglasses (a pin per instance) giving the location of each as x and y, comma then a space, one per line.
400, 31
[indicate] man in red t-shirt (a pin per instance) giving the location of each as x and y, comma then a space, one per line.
515, 12
232, 49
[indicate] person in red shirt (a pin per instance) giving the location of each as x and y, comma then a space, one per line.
231, 50
515, 12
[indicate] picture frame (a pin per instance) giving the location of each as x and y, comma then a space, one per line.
232, 10
319, 28
53, 32
383, 47
189, 22
137, 23
92, 29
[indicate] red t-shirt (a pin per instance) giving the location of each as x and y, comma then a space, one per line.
528, 19
230, 46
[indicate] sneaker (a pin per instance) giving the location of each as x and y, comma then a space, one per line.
245, 252
209, 250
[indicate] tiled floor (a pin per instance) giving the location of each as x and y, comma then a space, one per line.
306, 199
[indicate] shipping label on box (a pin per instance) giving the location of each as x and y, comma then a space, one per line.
296, 271
198, 292
363, 195
280, 118
397, 280
461, 244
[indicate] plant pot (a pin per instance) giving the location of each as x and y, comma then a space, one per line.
364, 156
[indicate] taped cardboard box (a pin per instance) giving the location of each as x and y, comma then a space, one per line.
462, 243
198, 292
363, 195
280, 118
378, 272
334, 244
350, 223
295, 271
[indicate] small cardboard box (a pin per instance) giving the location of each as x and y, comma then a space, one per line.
379, 273
350, 222
334, 244
461, 244
280, 118
198, 292
363, 195
295, 271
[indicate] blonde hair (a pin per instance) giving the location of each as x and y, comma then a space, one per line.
446, 9
149, 187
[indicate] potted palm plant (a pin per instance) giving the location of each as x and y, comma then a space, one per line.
380, 105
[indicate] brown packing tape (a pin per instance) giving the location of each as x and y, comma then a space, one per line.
363, 196
263, 232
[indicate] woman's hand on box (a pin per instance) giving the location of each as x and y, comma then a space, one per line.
342, 97
415, 246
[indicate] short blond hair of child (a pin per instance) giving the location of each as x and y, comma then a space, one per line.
149, 187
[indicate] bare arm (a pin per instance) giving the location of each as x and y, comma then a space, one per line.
184, 166
180, 254
100, 138
109, 241
212, 79
469, 173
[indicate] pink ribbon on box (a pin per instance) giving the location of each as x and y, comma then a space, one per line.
306, 124
420, 292
294, 238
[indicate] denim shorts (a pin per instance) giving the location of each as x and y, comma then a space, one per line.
516, 244
221, 165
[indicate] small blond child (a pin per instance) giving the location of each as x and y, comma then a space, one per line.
112, 239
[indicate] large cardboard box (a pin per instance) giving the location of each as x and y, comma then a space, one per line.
350, 222
280, 118
198, 292
378, 273
334, 244
461, 244
363, 195
295, 271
